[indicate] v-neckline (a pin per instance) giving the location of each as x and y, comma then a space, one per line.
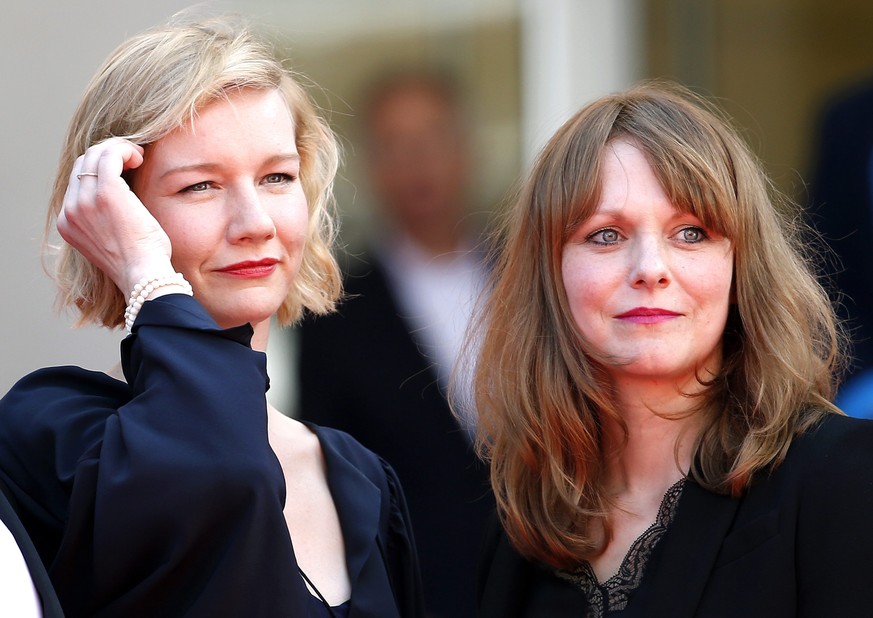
357, 501
612, 593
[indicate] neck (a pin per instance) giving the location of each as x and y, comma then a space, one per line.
656, 455
261, 336
661, 432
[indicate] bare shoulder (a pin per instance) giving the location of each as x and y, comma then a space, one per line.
291, 440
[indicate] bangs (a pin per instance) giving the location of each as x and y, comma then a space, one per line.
704, 187
686, 145
690, 158
698, 187
583, 204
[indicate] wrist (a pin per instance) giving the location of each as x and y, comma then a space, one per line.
151, 287
152, 268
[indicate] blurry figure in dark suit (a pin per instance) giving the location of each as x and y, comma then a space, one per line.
842, 210
379, 367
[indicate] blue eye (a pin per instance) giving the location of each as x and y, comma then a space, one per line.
278, 178
605, 236
692, 234
197, 187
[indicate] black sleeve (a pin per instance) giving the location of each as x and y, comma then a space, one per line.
504, 578
50, 605
835, 529
487, 553
173, 499
401, 556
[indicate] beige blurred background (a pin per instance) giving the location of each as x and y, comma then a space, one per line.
525, 64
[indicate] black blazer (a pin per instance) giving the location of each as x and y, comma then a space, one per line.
51, 607
841, 203
361, 371
799, 543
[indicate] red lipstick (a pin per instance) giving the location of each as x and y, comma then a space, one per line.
251, 269
647, 315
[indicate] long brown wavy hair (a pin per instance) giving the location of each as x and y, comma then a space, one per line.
543, 402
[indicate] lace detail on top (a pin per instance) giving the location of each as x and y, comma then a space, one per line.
612, 595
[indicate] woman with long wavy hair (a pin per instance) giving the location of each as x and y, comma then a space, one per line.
654, 381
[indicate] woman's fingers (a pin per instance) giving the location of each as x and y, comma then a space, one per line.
103, 219
109, 159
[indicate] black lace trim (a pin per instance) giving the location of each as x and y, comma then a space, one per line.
612, 595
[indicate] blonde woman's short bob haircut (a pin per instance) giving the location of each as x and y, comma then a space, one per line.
156, 82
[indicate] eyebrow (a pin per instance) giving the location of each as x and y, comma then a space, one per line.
209, 166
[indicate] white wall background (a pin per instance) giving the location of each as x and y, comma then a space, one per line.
48, 52
573, 49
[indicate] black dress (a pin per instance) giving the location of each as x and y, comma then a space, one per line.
796, 544
624, 595
161, 496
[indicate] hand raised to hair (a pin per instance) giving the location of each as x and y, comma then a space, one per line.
106, 222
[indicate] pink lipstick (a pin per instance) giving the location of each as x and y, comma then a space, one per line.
647, 315
251, 269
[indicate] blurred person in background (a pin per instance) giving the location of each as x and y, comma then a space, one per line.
378, 369
842, 211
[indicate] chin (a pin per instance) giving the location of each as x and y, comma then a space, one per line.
252, 306
250, 315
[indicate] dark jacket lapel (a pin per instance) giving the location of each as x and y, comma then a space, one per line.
359, 505
689, 551
503, 579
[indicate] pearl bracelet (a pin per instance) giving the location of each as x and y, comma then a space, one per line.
143, 289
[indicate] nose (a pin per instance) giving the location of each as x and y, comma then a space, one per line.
650, 268
250, 220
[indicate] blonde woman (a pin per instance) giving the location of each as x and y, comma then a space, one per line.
654, 382
193, 196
